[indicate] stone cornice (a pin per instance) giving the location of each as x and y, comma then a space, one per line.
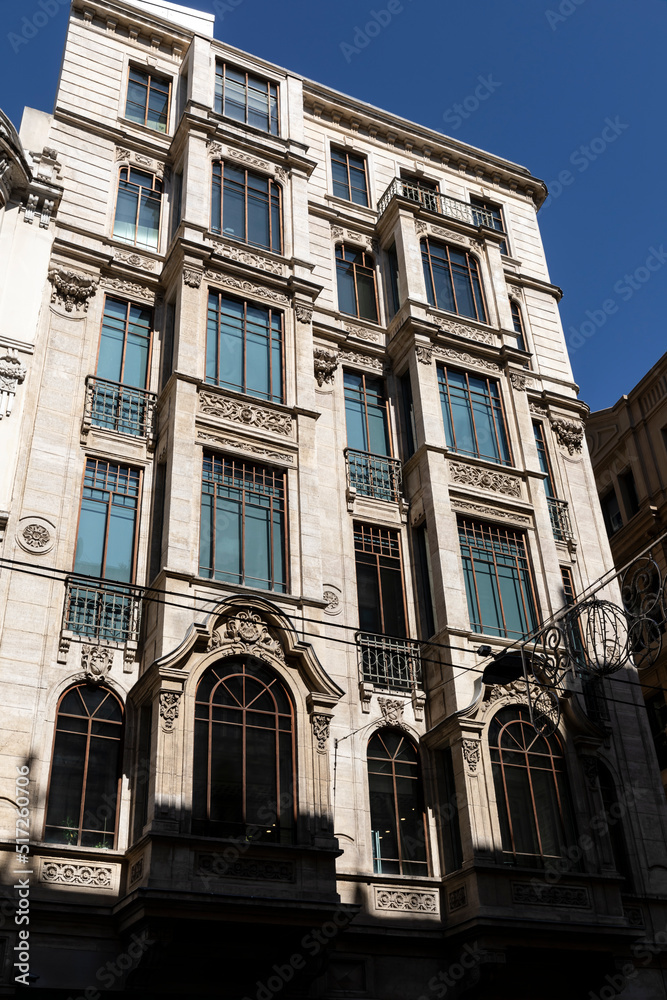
528, 281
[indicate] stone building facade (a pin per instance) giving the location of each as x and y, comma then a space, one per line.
298, 438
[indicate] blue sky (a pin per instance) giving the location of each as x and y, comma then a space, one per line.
578, 97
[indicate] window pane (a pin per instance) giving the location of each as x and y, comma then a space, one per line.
90, 540
149, 221
346, 294
120, 545
366, 291
258, 546
228, 540
126, 213
110, 359
233, 218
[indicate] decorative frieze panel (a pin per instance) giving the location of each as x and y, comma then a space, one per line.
249, 414
134, 260
464, 359
247, 635
72, 289
496, 513
136, 871
169, 709
362, 333
484, 479
141, 160
246, 447
240, 256
77, 873
364, 360
568, 434
245, 868
131, 288
535, 894
463, 330
457, 899
248, 287
352, 236
406, 901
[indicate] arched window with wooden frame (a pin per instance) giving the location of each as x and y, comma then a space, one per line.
532, 791
244, 754
518, 324
247, 206
398, 821
357, 285
452, 280
84, 784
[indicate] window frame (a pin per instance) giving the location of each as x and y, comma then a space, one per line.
154, 189
473, 270
129, 304
371, 535
446, 399
217, 227
342, 261
518, 324
491, 207
270, 311
363, 397
135, 541
344, 159
221, 64
610, 494
544, 459
151, 76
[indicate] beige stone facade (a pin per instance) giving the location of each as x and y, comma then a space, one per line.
162, 904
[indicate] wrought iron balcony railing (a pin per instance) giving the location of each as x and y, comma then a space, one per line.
377, 476
119, 407
390, 663
435, 202
560, 519
105, 611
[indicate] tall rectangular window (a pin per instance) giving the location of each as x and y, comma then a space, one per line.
107, 536
473, 415
366, 414
246, 206
125, 343
350, 177
408, 414
611, 512
138, 208
543, 457
357, 290
393, 298
177, 204
243, 527
148, 99
626, 481
244, 347
486, 213
452, 280
379, 580
499, 586
246, 98
422, 562
517, 323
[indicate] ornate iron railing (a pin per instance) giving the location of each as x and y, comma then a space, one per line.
390, 663
560, 519
105, 611
377, 476
433, 201
119, 407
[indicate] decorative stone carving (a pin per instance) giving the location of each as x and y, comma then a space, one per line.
137, 871
326, 363
276, 456
63, 649
535, 894
484, 479
282, 175
568, 434
192, 278
246, 257
634, 915
96, 663
406, 901
590, 768
129, 287
493, 512
321, 731
462, 330
123, 154
471, 754
72, 289
420, 227
236, 154
337, 233
30, 208
134, 260
365, 360
449, 234
12, 375
333, 602
304, 313
519, 381
245, 868
540, 411
45, 218
247, 635
50, 153
392, 712
359, 331
169, 708
457, 899
144, 161
467, 360
424, 355
36, 536
77, 873
245, 413
215, 149
246, 286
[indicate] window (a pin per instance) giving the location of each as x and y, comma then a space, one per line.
485, 213
422, 561
142, 771
517, 323
408, 414
357, 292
246, 98
614, 810
393, 298
350, 176
543, 457
119, 400
84, 785
452, 280
573, 626
421, 190
106, 541
148, 100
626, 481
177, 204
366, 414
243, 524
473, 415
244, 754
138, 208
611, 512
499, 587
531, 789
656, 706
398, 824
244, 347
448, 811
379, 580
246, 206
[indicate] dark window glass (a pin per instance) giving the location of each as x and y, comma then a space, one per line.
611, 512
84, 785
393, 298
626, 481
517, 323
246, 206
422, 561
177, 204
499, 586
366, 414
448, 811
531, 789
613, 813
138, 208
157, 528
543, 456
125, 343
246, 98
421, 190
485, 213
398, 824
243, 536
357, 292
148, 100
167, 361
379, 580
106, 541
452, 280
244, 347
142, 772
473, 415
350, 180
408, 414
656, 706
244, 754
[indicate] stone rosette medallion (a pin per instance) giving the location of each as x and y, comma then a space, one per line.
36, 535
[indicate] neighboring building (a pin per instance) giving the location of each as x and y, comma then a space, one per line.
299, 436
628, 446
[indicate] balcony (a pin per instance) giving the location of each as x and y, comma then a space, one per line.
433, 201
106, 611
390, 663
118, 408
376, 476
560, 519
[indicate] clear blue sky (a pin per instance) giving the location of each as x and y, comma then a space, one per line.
561, 75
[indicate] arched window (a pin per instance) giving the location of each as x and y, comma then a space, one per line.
398, 824
357, 291
244, 754
531, 789
517, 323
452, 280
82, 803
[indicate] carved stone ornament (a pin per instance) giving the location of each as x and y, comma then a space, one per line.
36, 536
247, 635
484, 479
240, 256
449, 234
519, 381
337, 233
304, 313
96, 663
192, 278
215, 149
71, 289
321, 731
392, 712
134, 260
420, 227
129, 287
236, 154
333, 602
363, 334
123, 154
12, 375
326, 363
365, 360
136, 871
496, 513
467, 360
540, 411
406, 900
469, 332
591, 770
471, 754
245, 413
257, 870
247, 286
457, 899
245, 446
424, 355
568, 434
77, 873
169, 707
537, 894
